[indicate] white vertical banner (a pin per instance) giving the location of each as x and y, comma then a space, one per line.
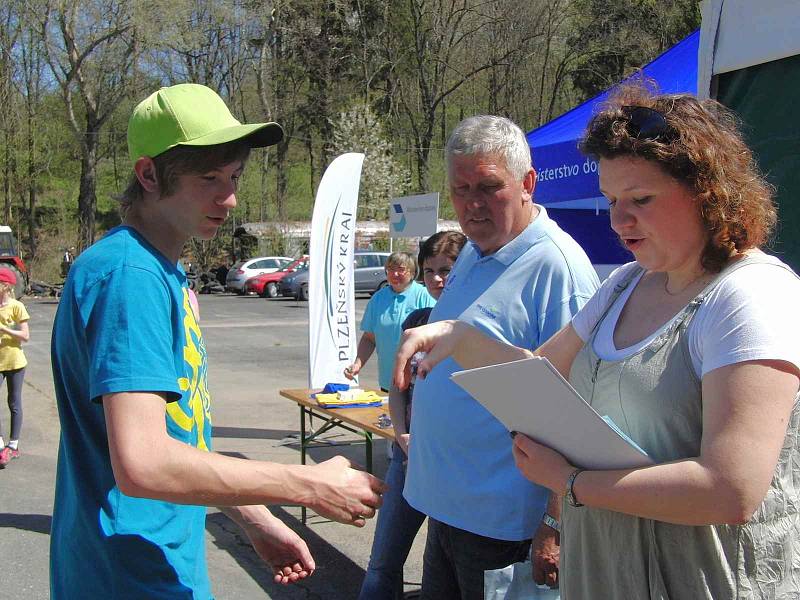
331, 308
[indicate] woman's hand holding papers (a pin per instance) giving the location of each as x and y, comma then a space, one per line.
540, 464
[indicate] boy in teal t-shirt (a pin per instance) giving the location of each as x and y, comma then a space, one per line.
135, 466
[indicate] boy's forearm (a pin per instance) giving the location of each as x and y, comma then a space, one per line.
248, 516
186, 475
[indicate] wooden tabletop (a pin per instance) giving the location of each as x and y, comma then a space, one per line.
365, 418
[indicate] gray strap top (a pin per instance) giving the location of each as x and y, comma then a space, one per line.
655, 397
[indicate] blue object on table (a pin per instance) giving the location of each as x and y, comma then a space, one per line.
332, 388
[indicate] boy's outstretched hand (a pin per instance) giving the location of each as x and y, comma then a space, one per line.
277, 545
283, 550
343, 492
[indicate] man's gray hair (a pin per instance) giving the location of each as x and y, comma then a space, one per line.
487, 134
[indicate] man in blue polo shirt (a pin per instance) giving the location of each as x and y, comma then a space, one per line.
519, 279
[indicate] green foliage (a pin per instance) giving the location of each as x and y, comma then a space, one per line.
390, 79
613, 38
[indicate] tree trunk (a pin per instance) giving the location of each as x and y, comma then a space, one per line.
31, 187
281, 179
311, 174
7, 174
424, 150
32, 219
87, 196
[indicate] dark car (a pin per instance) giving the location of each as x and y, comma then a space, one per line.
295, 285
369, 273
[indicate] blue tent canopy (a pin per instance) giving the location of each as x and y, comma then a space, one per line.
567, 180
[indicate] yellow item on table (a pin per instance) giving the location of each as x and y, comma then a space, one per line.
350, 398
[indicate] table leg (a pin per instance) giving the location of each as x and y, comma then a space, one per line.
302, 453
368, 436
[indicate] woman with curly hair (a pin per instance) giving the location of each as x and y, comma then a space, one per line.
693, 351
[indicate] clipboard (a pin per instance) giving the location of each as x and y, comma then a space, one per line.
532, 397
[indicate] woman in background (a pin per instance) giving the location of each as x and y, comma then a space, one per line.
384, 315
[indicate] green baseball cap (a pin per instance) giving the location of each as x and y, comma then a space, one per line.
189, 114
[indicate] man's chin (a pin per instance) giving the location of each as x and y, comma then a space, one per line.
480, 234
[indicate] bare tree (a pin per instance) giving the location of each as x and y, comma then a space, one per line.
91, 49
31, 89
9, 33
202, 42
305, 74
439, 34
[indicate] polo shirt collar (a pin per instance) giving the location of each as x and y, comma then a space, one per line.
520, 244
408, 289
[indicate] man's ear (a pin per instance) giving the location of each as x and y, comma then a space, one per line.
145, 170
529, 182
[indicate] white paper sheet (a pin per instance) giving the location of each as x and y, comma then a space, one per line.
531, 396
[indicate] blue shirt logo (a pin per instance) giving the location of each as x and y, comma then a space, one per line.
490, 312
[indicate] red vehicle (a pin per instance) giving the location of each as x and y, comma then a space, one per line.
10, 258
266, 284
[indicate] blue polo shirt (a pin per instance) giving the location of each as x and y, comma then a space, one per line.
384, 317
461, 470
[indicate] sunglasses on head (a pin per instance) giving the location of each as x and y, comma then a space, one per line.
645, 123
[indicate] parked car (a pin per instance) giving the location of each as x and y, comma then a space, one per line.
295, 285
266, 285
243, 270
370, 271
369, 274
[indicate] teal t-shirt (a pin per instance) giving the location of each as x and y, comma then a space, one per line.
384, 317
124, 323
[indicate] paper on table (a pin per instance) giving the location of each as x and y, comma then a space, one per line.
531, 396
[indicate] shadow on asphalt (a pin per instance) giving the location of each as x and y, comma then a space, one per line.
37, 523
252, 433
336, 577
353, 451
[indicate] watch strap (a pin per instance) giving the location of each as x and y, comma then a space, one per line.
551, 522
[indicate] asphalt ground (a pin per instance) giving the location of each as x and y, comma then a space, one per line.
256, 347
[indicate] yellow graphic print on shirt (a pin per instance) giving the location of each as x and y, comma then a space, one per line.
192, 413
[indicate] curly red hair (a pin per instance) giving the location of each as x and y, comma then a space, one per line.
703, 148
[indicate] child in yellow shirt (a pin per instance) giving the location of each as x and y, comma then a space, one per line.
13, 331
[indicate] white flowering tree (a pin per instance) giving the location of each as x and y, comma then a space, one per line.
382, 177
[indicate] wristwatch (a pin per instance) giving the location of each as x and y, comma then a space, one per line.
569, 493
551, 522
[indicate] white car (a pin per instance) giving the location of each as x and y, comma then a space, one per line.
245, 269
